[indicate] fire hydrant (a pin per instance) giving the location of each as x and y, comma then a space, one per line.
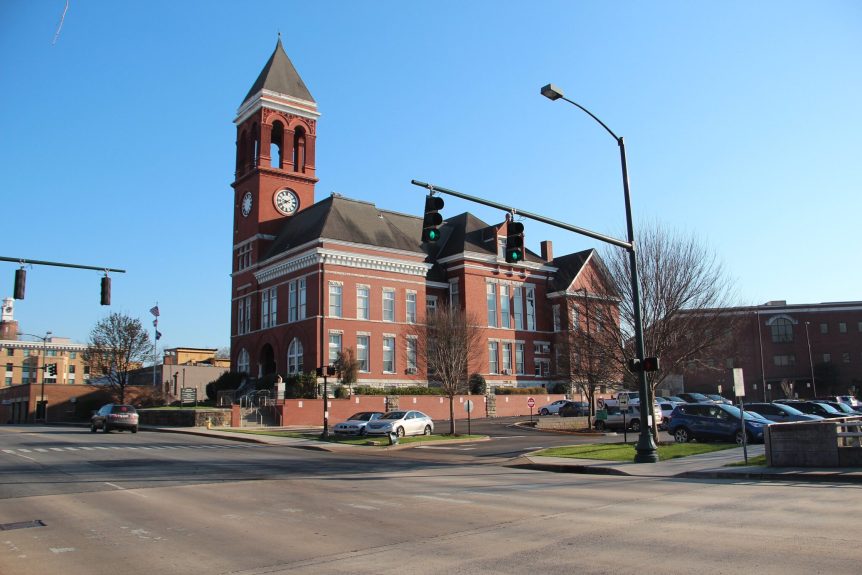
209, 423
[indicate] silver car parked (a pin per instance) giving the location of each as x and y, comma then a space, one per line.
355, 424
401, 423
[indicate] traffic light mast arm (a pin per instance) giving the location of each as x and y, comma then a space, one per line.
537, 217
23, 261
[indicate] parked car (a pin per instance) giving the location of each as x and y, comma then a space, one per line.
611, 417
552, 408
779, 412
815, 408
666, 409
719, 398
842, 408
574, 409
848, 399
694, 398
355, 424
714, 421
401, 423
114, 416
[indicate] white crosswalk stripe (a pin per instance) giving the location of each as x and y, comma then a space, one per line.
134, 447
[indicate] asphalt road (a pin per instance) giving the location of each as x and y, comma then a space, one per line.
176, 504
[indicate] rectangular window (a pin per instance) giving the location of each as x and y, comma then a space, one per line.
505, 313
268, 304
412, 346
247, 314
388, 304
519, 358
9, 367
50, 353
492, 304
576, 317
243, 256
541, 367
362, 352
73, 355
600, 320
507, 358
842, 327
454, 294
824, 328
858, 327
388, 354
301, 283
556, 311
531, 308
845, 357
362, 296
827, 357
411, 307
334, 346
784, 360
492, 357
71, 369
430, 304
541, 348
334, 299
518, 307
291, 302
10, 352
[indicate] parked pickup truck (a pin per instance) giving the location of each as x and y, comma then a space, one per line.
612, 418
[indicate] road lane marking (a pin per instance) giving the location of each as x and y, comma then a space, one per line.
446, 499
126, 490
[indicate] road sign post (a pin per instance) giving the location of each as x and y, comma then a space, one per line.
739, 390
468, 405
624, 407
531, 403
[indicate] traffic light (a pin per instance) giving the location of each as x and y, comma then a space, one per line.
433, 204
329, 370
106, 291
651, 364
634, 365
52, 369
515, 242
20, 283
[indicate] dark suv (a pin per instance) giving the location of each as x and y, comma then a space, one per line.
717, 421
115, 416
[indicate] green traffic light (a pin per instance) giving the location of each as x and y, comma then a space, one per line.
433, 234
514, 255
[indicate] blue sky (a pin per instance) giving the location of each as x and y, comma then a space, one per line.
741, 121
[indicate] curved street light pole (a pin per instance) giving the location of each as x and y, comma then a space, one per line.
645, 450
41, 368
810, 361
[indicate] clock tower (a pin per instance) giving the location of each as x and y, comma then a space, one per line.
276, 127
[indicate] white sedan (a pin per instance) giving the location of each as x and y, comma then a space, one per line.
552, 408
355, 424
401, 423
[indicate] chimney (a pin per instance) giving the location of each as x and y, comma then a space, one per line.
547, 250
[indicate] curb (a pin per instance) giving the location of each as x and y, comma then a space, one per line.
580, 469
767, 476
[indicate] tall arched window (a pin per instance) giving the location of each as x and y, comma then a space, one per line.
299, 150
276, 146
782, 330
242, 361
241, 153
255, 138
294, 356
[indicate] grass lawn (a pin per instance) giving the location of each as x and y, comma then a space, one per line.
351, 440
626, 451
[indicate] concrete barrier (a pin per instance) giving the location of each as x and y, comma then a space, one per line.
809, 444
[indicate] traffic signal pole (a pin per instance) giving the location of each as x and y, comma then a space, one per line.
645, 450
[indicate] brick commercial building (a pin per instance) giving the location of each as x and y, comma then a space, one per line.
780, 346
312, 278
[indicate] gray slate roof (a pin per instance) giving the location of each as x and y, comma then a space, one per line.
340, 218
280, 76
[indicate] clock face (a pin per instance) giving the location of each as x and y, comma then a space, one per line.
286, 202
246, 204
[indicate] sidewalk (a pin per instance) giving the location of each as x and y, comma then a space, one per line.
705, 466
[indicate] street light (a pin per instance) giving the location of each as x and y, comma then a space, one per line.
645, 450
44, 361
810, 360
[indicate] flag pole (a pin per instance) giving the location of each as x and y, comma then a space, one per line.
155, 312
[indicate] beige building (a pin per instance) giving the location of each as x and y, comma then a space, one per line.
26, 356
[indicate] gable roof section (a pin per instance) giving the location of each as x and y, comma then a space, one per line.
344, 219
467, 233
279, 75
569, 267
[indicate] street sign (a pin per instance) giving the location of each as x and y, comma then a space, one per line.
468, 405
531, 403
624, 401
738, 382
188, 395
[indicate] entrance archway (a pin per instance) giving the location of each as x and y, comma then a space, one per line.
267, 360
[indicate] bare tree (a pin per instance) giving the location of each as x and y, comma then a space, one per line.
586, 348
118, 344
685, 296
448, 343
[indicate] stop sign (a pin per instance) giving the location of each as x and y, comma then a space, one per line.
531, 403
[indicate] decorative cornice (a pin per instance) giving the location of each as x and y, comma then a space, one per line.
276, 101
343, 259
